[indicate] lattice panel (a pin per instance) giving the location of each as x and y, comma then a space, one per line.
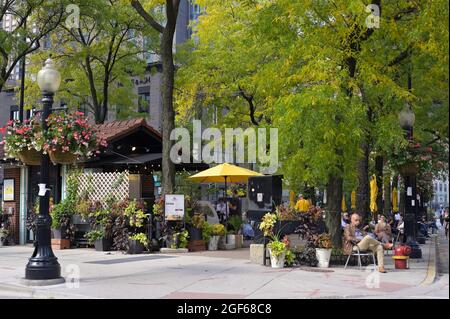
100, 186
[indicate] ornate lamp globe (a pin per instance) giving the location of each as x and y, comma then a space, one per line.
406, 118
48, 78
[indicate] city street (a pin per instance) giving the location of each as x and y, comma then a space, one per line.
220, 274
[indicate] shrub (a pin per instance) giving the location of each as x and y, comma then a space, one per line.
277, 248
140, 237
218, 230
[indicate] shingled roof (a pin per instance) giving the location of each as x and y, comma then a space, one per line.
116, 129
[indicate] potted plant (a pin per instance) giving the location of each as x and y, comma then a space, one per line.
69, 135
195, 225
215, 232
23, 141
323, 247
97, 237
234, 237
136, 243
4, 233
277, 251
61, 215
180, 239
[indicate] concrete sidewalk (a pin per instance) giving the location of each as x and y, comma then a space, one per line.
220, 274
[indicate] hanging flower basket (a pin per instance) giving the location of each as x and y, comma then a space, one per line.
30, 157
69, 136
59, 157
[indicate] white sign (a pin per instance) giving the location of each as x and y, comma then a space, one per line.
409, 191
413, 202
174, 207
259, 197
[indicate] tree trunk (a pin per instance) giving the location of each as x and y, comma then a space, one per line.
387, 196
379, 162
333, 216
168, 113
362, 191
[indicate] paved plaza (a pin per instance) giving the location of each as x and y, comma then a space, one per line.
221, 274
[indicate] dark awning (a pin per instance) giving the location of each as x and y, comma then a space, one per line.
133, 159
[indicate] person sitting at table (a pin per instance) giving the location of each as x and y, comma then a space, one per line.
353, 236
383, 230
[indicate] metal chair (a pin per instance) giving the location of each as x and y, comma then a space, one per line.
359, 253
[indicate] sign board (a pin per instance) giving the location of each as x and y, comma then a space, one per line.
8, 190
174, 207
259, 197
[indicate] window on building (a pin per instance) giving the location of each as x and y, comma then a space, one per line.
440, 187
445, 188
144, 102
435, 187
14, 112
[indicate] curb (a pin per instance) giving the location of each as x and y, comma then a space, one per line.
432, 264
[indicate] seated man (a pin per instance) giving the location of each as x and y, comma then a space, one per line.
383, 230
353, 236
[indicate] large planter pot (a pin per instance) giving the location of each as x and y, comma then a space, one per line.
103, 244
323, 257
213, 243
59, 157
231, 240
277, 261
134, 247
286, 227
30, 157
77, 219
195, 233
60, 233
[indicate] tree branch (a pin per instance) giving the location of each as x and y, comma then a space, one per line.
147, 17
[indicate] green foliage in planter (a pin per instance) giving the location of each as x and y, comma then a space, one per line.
277, 248
62, 214
289, 258
94, 235
236, 223
207, 231
218, 230
198, 221
135, 214
267, 223
307, 256
140, 237
180, 240
323, 241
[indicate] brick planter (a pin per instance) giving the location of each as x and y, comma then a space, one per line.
58, 244
197, 245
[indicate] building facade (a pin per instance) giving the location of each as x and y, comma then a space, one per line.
441, 194
21, 179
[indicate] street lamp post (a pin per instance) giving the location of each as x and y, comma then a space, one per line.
407, 118
43, 265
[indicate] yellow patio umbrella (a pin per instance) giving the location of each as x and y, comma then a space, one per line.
353, 200
224, 173
343, 204
394, 200
373, 194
